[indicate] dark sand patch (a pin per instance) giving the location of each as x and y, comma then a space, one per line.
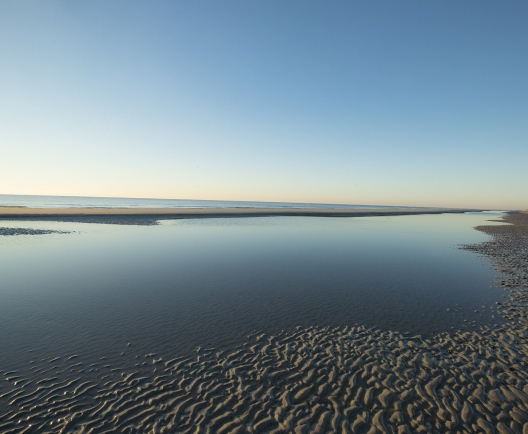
141, 220
27, 231
150, 216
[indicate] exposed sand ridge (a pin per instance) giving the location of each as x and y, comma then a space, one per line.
150, 216
27, 231
346, 380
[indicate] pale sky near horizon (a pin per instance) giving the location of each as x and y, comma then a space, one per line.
379, 102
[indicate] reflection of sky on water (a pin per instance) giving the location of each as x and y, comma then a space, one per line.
210, 281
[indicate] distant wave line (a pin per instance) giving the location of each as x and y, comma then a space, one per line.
33, 201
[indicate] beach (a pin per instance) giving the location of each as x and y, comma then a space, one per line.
350, 379
13, 212
150, 216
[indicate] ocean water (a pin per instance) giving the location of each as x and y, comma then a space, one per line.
120, 292
114, 202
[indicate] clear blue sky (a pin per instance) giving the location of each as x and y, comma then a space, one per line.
365, 102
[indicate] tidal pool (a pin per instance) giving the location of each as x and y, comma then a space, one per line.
118, 291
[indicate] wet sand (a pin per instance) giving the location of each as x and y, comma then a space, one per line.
22, 212
151, 216
25, 231
306, 380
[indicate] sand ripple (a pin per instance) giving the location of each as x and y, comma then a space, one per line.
313, 380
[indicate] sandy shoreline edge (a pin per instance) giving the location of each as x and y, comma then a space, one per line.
18, 212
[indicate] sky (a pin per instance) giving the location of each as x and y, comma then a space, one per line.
418, 103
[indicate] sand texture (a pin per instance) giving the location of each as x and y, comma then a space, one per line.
17, 212
151, 216
306, 380
27, 231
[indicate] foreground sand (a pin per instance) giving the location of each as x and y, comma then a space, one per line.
314, 380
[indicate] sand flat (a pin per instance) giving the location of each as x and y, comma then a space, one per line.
308, 380
218, 212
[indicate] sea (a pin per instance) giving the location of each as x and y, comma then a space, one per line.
34, 201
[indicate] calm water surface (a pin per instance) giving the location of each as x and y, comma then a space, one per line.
30, 201
186, 283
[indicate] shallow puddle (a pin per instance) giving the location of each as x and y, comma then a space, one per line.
181, 284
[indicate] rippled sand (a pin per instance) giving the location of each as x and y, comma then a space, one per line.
346, 380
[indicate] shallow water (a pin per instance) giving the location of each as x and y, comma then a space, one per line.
186, 283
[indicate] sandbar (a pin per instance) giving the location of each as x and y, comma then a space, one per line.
16, 212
